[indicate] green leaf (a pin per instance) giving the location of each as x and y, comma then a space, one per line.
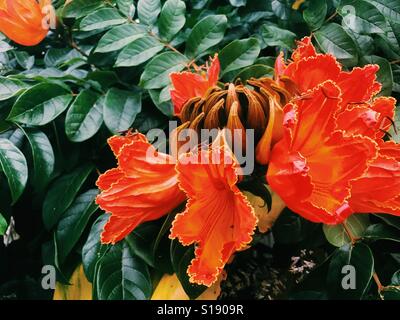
62, 193
139, 51
389, 8
24, 59
10, 88
360, 257
172, 19
100, 19
148, 11
382, 231
362, 17
80, 8
337, 235
275, 36
390, 220
4, 46
207, 33
84, 117
141, 241
127, 7
181, 259
157, 71
43, 157
255, 71
120, 36
391, 293
384, 75
3, 225
165, 107
40, 104
333, 39
73, 222
315, 14
122, 276
238, 3
93, 249
14, 166
239, 54
120, 109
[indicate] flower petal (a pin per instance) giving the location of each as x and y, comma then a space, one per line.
144, 187
359, 85
312, 166
368, 120
379, 189
313, 71
305, 49
217, 217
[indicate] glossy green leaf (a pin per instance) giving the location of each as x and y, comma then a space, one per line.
337, 235
157, 71
172, 18
10, 88
255, 71
148, 11
40, 104
127, 7
24, 59
139, 51
389, 8
207, 33
80, 8
62, 193
362, 17
84, 117
14, 166
181, 258
390, 220
382, 231
3, 225
73, 222
165, 107
120, 109
315, 14
93, 249
332, 38
239, 54
238, 3
100, 19
120, 36
121, 275
43, 157
358, 256
384, 75
275, 36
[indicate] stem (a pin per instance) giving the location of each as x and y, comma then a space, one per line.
395, 61
332, 16
350, 234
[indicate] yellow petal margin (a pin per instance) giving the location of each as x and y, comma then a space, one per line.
169, 288
80, 288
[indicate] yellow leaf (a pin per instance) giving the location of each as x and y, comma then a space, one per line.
266, 219
80, 288
296, 5
169, 288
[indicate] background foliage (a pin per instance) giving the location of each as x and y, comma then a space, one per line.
105, 70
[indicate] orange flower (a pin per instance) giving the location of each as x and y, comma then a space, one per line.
188, 85
218, 217
23, 20
332, 161
309, 69
142, 188
312, 166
